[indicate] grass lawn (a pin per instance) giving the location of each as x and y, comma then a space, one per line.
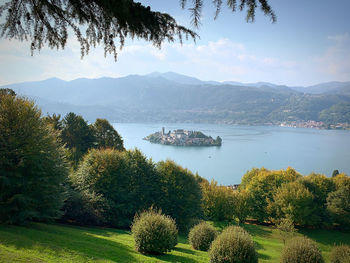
62, 243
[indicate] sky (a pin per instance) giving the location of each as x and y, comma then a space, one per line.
309, 44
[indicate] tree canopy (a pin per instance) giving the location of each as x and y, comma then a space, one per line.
93, 22
32, 164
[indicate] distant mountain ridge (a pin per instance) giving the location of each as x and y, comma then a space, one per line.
172, 97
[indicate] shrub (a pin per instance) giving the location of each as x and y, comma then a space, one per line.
201, 236
233, 245
154, 233
340, 254
286, 228
301, 250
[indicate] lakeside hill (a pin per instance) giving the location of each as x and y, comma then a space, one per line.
170, 97
182, 137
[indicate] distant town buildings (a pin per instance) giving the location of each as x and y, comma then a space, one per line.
315, 125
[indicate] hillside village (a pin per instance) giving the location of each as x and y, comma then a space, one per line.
182, 137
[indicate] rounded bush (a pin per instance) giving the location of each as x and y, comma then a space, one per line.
154, 233
233, 245
201, 236
301, 250
340, 254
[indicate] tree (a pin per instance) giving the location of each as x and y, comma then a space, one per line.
294, 201
286, 228
262, 184
181, 194
55, 121
217, 201
338, 204
121, 184
320, 186
8, 92
32, 164
335, 173
242, 205
77, 136
106, 136
50, 21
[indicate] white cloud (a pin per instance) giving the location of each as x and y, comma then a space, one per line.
222, 59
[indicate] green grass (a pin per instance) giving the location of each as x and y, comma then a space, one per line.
61, 243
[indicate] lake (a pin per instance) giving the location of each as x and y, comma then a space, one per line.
246, 147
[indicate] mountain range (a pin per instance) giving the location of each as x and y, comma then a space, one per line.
172, 97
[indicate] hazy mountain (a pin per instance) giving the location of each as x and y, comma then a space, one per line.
328, 87
173, 97
182, 79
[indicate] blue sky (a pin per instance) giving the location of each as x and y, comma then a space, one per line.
309, 44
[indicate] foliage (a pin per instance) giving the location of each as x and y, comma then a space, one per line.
77, 136
154, 233
340, 254
301, 250
126, 182
83, 207
106, 136
294, 201
262, 184
337, 113
32, 164
286, 228
201, 236
320, 186
241, 205
234, 244
55, 121
217, 201
338, 204
341, 180
50, 22
7, 92
181, 194
335, 173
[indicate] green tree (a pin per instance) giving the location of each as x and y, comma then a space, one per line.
77, 136
286, 228
181, 196
217, 201
320, 186
8, 92
32, 164
50, 22
262, 184
338, 204
335, 173
242, 205
125, 183
55, 121
106, 136
294, 201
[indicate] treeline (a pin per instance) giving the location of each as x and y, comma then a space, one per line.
69, 170
271, 196
66, 169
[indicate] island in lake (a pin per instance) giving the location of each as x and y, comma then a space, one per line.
182, 137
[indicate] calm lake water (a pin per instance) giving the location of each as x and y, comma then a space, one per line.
245, 147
